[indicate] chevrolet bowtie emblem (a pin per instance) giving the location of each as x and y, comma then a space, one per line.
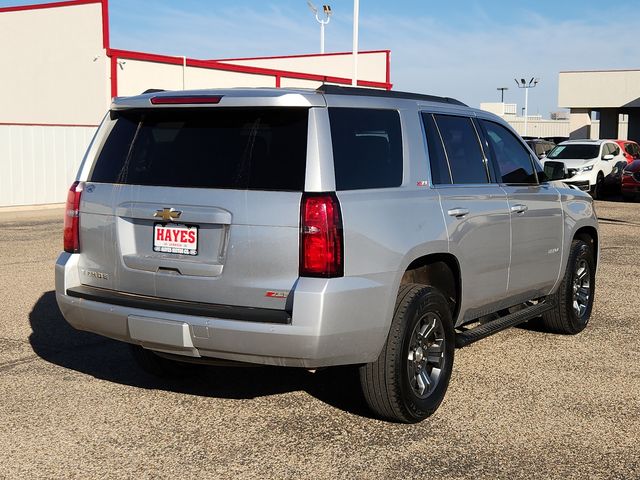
167, 214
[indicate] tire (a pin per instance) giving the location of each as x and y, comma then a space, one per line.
571, 312
626, 197
405, 384
161, 367
597, 191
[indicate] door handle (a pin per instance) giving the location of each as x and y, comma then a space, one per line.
458, 212
519, 208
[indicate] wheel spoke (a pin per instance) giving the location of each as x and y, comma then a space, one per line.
421, 385
582, 273
434, 355
427, 328
426, 380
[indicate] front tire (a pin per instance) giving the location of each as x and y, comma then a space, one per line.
409, 379
597, 191
574, 298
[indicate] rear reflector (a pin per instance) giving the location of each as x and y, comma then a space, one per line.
72, 219
321, 237
186, 100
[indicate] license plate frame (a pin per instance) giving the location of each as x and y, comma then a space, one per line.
177, 246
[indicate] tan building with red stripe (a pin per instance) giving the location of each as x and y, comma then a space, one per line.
60, 74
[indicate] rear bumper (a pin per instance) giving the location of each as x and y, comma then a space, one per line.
333, 322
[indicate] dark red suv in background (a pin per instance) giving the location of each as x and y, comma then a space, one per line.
630, 182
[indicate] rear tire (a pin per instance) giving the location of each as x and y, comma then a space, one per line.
409, 379
160, 367
574, 298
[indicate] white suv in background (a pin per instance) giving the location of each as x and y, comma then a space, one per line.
588, 162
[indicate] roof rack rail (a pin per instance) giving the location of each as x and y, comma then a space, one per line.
372, 92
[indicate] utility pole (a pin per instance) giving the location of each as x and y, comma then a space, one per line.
501, 90
356, 14
526, 85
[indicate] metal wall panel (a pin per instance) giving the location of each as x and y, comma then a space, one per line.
38, 163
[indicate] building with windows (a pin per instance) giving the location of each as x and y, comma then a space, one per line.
60, 73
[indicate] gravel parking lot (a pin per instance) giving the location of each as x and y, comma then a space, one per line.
521, 404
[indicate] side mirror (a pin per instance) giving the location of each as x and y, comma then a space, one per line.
607, 157
555, 170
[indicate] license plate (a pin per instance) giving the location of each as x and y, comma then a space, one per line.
180, 239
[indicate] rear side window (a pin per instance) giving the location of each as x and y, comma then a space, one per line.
257, 149
513, 159
463, 150
440, 174
367, 148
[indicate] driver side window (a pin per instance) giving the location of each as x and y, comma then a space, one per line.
513, 159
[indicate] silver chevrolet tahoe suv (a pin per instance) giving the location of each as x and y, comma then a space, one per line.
313, 228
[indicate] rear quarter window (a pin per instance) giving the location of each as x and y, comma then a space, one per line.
367, 148
256, 149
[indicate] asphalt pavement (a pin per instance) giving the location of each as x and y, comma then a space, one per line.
522, 404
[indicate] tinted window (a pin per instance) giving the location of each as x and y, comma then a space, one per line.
463, 150
439, 167
574, 151
513, 159
262, 149
367, 148
614, 148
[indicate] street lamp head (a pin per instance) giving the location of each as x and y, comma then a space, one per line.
327, 10
523, 82
312, 7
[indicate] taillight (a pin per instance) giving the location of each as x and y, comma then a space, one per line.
321, 239
72, 219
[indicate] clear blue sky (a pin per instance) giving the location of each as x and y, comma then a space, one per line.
464, 49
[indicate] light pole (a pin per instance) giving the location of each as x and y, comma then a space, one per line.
526, 85
356, 22
326, 9
501, 90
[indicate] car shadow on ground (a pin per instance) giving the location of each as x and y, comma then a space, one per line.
55, 341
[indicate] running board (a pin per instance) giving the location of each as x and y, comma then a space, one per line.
467, 337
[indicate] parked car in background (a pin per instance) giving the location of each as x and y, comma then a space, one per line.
630, 181
630, 150
588, 162
556, 140
540, 146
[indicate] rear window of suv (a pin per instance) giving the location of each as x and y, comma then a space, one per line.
255, 149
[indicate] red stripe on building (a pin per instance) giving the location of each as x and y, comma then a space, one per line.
229, 67
41, 6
